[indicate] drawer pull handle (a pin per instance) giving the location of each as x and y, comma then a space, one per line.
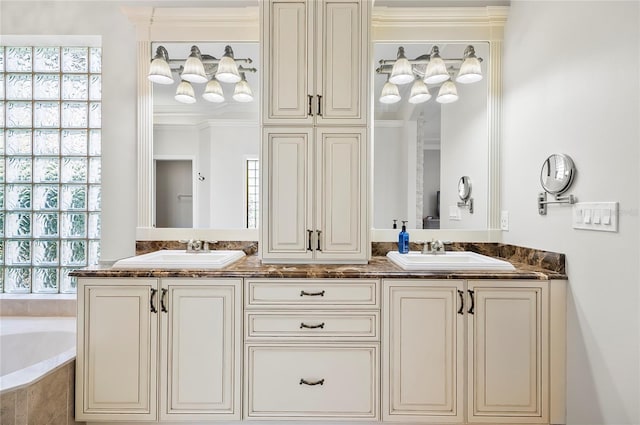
304, 325
163, 306
311, 294
472, 302
151, 298
461, 294
311, 383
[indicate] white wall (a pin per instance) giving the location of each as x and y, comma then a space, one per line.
230, 146
390, 175
118, 100
571, 86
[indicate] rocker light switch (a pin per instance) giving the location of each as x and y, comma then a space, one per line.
598, 216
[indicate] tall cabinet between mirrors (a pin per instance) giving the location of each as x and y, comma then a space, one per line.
315, 141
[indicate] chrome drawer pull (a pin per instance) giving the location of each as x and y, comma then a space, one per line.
304, 325
311, 383
312, 294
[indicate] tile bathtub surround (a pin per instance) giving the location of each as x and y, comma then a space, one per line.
49, 401
144, 247
546, 260
41, 305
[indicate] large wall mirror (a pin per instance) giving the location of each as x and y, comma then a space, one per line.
206, 152
420, 150
197, 161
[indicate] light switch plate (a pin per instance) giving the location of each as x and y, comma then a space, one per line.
598, 216
454, 213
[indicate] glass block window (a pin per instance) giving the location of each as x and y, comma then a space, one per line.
253, 193
50, 138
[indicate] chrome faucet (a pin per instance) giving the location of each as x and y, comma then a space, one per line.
435, 246
198, 246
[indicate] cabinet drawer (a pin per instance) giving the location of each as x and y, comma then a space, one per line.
313, 325
312, 293
319, 381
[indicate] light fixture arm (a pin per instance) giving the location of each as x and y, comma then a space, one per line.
161, 52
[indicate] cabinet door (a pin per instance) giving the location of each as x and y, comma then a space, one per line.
287, 59
423, 351
117, 346
342, 37
508, 359
287, 194
341, 222
200, 349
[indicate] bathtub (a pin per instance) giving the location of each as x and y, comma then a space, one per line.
32, 348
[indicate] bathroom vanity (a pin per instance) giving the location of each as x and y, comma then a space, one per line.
321, 342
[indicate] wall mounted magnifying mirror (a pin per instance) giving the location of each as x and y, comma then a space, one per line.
464, 193
556, 175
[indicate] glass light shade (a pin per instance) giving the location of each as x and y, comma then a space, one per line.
448, 93
436, 68
470, 71
193, 68
227, 70
419, 92
213, 92
242, 92
185, 93
390, 93
160, 72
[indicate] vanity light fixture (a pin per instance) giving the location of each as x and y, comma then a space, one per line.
401, 72
227, 68
428, 69
201, 68
193, 70
185, 92
390, 93
242, 91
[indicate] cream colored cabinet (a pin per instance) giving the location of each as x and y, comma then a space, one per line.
315, 56
509, 357
424, 352
116, 363
200, 355
173, 340
315, 193
515, 332
311, 349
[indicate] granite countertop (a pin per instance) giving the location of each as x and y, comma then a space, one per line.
528, 266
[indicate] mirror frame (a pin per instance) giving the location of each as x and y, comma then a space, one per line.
196, 25
464, 188
452, 25
567, 180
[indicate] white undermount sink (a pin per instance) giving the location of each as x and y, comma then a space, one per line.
181, 259
450, 260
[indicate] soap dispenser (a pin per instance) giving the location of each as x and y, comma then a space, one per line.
403, 239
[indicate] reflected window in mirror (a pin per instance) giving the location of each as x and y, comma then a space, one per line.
421, 148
